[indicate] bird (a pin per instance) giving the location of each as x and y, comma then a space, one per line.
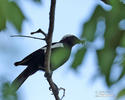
60, 53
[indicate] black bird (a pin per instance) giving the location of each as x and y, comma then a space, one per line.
35, 61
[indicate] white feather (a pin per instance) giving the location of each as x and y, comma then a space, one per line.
57, 45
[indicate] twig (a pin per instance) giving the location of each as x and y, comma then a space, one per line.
63, 92
27, 37
39, 31
48, 51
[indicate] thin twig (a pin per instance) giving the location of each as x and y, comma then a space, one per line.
63, 92
48, 51
39, 31
27, 37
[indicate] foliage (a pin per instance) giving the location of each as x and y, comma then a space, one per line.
7, 92
121, 93
78, 57
114, 40
11, 12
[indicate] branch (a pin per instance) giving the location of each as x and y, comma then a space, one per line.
39, 31
48, 74
27, 37
63, 92
50, 34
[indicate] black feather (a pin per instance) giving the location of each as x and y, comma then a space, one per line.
35, 61
22, 77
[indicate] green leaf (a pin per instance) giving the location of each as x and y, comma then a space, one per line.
7, 92
78, 57
122, 42
15, 16
113, 37
105, 61
122, 64
3, 4
89, 28
121, 94
10, 11
2, 22
107, 55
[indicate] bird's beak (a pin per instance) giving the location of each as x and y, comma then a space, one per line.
81, 41
78, 41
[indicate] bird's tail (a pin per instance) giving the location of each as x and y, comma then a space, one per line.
22, 77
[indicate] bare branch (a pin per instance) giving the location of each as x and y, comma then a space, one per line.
48, 51
63, 92
27, 37
39, 31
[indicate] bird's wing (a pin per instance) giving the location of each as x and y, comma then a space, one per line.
33, 56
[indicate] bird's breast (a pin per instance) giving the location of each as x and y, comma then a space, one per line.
59, 57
